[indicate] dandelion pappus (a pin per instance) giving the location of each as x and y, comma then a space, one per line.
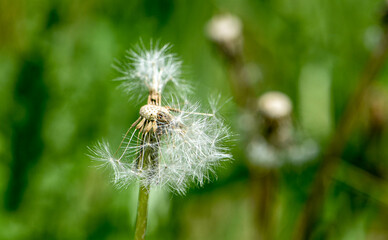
165, 146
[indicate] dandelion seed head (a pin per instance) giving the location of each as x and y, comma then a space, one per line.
172, 144
275, 105
224, 28
279, 142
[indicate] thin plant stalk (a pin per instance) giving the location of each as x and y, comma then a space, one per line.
142, 212
331, 157
263, 189
262, 181
148, 159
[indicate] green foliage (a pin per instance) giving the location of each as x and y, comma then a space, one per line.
57, 98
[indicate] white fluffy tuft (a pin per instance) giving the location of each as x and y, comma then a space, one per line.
151, 70
192, 145
187, 154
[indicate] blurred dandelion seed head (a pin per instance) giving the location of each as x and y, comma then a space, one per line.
224, 28
278, 141
275, 105
166, 146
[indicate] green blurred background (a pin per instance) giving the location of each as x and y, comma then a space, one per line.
57, 98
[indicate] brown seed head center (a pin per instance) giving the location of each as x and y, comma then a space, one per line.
150, 112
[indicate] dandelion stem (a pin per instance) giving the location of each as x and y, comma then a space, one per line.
142, 212
263, 192
148, 159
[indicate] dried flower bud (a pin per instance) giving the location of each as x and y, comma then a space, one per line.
275, 112
275, 105
226, 31
278, 142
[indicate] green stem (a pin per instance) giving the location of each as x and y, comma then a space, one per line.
263, 191
147, 161
142, 212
